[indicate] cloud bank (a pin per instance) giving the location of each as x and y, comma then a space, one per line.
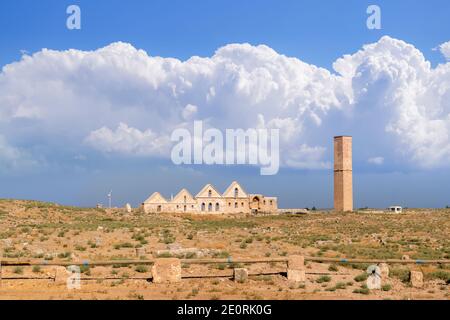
122, 101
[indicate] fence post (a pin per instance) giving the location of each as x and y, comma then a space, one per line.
296, 269
166, 270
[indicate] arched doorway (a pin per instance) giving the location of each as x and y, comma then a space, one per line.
255, 204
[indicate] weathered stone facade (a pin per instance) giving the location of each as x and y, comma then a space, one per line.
343, 174
210, 201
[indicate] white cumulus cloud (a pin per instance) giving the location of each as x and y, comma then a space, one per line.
118, 99
445, 49
126, 140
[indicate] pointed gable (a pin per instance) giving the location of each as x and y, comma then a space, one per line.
180, 197
235, 189
156, 198
208, 191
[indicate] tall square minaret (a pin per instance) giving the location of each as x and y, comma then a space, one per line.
343, 174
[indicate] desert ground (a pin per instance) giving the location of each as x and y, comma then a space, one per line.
31, 230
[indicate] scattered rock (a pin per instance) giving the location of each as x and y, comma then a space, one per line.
416, 278
384, 270
166, 270
240, 275
98, 242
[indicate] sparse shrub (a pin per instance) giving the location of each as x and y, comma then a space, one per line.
441, 275
80, 248
141, 269
323, 279
400, 273
36, 269
386, 287
362, 290
341, 285
64, 255
333, 268
221, 266
361, 277
18, 270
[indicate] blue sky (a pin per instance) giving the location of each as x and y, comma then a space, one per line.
315, 32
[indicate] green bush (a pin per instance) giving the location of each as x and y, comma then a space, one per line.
333, 268
362, 291
18, 270
361, 277
386, 287
400, 273
323, 279
141, 269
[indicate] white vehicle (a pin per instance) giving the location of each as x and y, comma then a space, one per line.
395, 209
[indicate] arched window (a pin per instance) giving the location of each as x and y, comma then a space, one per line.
229, 204
242, 204
210, 207
235, 204
236, 192
210, 193
185, 208
203, 207
184, 199
159, 208
217, 207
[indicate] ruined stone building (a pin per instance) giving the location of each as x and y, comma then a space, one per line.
210, 201
343, 174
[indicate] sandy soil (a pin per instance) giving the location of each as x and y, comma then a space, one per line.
44, 231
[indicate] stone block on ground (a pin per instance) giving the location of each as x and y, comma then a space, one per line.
416, 278
384, 269
61, 275
296, 275
240, 275
166, 270
296, 262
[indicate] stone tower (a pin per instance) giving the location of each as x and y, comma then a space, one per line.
343, 174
